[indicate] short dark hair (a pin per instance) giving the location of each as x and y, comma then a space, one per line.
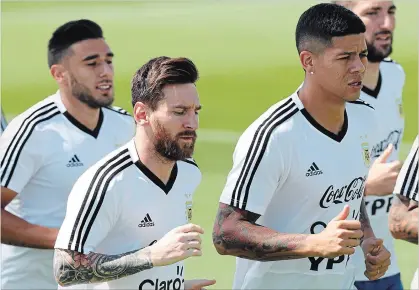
68, 34
321, 22
148, 82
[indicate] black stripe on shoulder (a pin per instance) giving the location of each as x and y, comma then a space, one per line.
411, 176
13, 151
100, 181
118, 110
257, 149
361, 102
190, 161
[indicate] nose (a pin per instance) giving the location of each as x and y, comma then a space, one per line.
359, 65
106, 70
191, 122
388, 22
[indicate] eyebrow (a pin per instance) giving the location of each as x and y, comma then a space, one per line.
187, 107
93, 56
352, 52
377, 8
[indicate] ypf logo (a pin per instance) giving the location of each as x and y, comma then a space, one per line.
169, 284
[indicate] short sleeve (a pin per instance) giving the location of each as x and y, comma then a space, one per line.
407, 181
20, 154
257, 172
91, 212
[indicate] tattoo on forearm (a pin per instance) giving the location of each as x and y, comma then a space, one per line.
403, 220
72, 268
364, 219
236, 233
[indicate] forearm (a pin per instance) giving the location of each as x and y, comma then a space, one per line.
245, 239
365, 222
403, 220
72, 268
18, 232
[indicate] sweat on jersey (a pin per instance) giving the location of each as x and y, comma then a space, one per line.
298, 176
119, 205
43, 152
387, 102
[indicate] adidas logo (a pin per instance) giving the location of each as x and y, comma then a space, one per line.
146, 222
74, 162
313, 170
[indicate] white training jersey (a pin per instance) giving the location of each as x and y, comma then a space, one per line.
387, 102
119, 206
407, 181
43, 152
3, 121
298, 176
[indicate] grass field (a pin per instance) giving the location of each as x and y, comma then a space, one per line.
246, 55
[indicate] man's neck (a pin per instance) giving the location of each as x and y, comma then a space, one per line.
371, 75
80, 111
160, 167
326, 109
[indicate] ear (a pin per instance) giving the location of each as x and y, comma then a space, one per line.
58, 71
140, 113
307, 61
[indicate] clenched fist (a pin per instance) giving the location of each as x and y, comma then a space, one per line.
178, 244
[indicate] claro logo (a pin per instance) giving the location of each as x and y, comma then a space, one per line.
175, 283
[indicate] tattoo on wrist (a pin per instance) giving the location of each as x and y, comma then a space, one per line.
72, 267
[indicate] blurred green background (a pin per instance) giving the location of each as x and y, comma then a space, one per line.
245, 52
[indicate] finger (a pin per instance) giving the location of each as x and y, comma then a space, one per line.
351, 234
374, 275
190, 228
383, 157
379, 259
347, 251
349, 225
193, 252
204, 282
194, 245
191, 236
343, 214
396, 165
372, 267
352, 243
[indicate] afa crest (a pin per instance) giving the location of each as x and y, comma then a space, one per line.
366, 153
188, 211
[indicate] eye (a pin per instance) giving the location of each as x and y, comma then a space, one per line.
371, 13
109, 61
91, 64
179, 113
363, 55
392, 12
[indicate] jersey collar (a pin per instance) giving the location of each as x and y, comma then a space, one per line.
94, 133
148, 173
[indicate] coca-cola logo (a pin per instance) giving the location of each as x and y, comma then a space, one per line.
353, 190
392, 138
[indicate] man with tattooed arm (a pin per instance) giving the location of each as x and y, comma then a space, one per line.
292, 209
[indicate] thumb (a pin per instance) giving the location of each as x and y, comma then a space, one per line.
343, 214
383, 157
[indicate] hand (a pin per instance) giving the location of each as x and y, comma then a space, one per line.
340, 237
178, 244
197, 284
382, 175
377, 258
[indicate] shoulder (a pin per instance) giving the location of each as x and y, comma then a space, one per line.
278, 120
26, 123
118, 114
392, 68
190, 167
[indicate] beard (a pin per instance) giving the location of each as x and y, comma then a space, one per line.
84, 95
170, 148
377, 55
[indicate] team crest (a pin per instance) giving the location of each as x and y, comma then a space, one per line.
366, 153
188, 211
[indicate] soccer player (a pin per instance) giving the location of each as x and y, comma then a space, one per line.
3, 122
127, 221
382, 88
45, 149
403, 217
292, 209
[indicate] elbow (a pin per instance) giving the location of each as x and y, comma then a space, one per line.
220, 240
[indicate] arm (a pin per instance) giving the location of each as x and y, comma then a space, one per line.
71, 267
236, 233
365, 223
403, 219
18, 232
